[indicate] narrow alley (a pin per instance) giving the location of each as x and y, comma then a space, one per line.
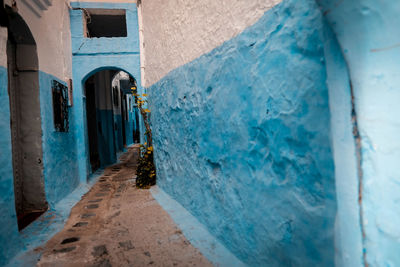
116, 224
225, 133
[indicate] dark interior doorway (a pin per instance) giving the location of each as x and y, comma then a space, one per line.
92, 124
107, 115
25, 119
124, 115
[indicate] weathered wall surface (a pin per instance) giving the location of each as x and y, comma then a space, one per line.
51, 30
9, 239
348, 235
368, 34
59, 151
178, 31
9, 229
242, 139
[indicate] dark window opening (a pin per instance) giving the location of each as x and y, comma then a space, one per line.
106, 23
115, 96
60, 107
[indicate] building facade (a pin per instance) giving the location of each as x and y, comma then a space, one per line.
275, 122
46, 58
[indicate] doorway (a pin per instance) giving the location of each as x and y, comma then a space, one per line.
25, 120
92, 124
107, 117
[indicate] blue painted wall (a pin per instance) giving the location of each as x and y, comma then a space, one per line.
60, 160
106, 145
129, 127
102, 45
348, 235
91, 55
242, 140
119, 141
9, 238
368, 34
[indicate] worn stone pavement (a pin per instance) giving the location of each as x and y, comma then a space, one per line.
116, 224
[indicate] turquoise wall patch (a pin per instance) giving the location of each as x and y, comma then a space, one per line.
242, 140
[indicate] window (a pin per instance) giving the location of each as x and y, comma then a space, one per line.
60, 107
105, 23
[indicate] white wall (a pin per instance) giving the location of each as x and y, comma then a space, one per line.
178, 31
3, 47
51, 30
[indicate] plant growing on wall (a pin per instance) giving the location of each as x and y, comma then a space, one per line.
146, 171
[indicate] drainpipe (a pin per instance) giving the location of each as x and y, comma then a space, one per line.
142, 65
141, 41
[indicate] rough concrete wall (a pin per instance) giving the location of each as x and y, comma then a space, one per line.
178, 31
51, 30
242, 140
368, 33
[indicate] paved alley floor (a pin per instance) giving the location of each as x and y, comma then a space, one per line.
116, 224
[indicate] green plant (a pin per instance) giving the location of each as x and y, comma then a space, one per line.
146, 171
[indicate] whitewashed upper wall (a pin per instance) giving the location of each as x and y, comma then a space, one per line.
3, 47
178, 31
51, 29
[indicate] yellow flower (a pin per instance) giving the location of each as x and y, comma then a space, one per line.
146, 110
144, 95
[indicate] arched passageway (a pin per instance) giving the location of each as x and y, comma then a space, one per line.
25, 119
111, 115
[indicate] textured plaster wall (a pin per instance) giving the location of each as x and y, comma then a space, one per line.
348, 236
9, 229
178, 31
368, 34
9, 239
51, 30
59, 153
91, 55
242, 140
3, 47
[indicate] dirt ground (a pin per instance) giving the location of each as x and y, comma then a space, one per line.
116, 224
